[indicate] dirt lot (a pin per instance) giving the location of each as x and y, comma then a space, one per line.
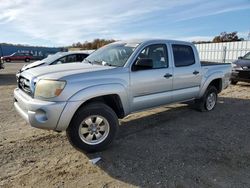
172, 146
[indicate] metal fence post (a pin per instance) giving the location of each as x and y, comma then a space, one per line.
224, 54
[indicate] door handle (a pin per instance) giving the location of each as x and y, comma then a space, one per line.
168, 75
196, 72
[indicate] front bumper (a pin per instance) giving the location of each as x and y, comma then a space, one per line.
241, 75
38, 113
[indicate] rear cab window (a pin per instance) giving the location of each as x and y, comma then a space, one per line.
183, 55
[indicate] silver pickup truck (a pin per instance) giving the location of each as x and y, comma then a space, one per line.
87, 99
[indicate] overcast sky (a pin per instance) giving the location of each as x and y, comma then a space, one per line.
63, 22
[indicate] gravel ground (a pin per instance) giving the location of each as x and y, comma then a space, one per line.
172, 146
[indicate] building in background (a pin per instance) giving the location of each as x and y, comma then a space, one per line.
38, 53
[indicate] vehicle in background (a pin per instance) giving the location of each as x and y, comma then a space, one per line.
57, 58
86, 99
17, 57
241, 69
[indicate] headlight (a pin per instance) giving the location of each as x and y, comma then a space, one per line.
245, 68
235, 66
49, 88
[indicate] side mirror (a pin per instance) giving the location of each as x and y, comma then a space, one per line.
143, 64
240, 57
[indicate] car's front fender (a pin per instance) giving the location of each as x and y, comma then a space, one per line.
88, 93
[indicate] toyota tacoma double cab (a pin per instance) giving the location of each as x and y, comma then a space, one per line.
87, 99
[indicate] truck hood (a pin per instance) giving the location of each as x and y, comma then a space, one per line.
63, 70
242, 62
32, 65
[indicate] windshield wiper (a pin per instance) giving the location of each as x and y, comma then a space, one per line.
90, 62
103, 63
107, 64
97, 62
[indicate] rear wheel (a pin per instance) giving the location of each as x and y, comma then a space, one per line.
233, 82
27, 60
208, 101
93, 127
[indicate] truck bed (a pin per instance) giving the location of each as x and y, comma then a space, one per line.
210, 63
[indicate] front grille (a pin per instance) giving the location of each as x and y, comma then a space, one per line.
24, 84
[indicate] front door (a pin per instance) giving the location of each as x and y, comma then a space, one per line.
152, 87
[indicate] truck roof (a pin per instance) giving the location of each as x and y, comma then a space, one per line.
145, 41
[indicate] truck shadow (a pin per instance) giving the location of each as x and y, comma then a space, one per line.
243, 84
179, 147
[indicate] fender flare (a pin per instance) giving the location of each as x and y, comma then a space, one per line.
88, 93
209, 79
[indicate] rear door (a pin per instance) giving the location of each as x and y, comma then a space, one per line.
152, 87
187, 73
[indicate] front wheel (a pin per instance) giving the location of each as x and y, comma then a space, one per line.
208, 101
8, 60
93, 127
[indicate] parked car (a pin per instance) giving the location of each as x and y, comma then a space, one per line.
55, 59
241, 69
17, 57
87, 99
59, 58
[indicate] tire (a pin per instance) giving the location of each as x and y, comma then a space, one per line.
233, 82
8, 60
27, 60
87, 123
208, 101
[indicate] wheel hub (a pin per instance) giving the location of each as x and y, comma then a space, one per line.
211, 101
93, 129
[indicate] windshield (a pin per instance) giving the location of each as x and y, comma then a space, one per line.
247, 56
115, 54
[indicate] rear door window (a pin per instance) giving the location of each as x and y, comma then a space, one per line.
71, 58
81, 57
183, 55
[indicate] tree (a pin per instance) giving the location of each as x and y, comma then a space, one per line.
227, 37
95, 44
